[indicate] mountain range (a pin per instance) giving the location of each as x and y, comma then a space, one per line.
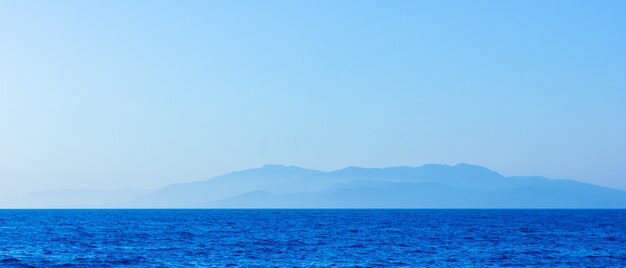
278, 186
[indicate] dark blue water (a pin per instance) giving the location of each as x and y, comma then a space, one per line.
45, 238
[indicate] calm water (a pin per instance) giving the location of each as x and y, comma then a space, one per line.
44, 238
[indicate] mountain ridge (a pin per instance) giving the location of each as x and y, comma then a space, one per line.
281, 186
430, 185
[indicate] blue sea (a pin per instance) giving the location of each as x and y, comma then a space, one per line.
312, 238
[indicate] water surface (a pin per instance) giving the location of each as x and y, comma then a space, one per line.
166, 238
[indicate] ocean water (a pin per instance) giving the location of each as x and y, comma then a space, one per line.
311, 238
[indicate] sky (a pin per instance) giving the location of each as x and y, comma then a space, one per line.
141, 94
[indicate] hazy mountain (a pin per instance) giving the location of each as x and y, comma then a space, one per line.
274, 178
75, 198
277, 186
371, 194
436, 186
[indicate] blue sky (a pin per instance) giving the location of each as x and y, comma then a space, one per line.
116, 94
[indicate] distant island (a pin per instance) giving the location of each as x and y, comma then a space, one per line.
278, 186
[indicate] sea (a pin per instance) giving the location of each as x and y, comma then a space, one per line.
312, 238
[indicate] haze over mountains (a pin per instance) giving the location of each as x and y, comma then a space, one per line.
277, 186
74, 198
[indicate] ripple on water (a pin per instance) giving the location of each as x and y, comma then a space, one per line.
365, 238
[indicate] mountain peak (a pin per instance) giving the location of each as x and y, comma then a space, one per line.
476, 168
272, 170
277, 166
